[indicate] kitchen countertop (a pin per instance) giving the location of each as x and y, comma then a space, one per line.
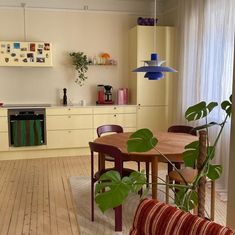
28, 106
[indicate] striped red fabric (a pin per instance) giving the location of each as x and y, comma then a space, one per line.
157, 218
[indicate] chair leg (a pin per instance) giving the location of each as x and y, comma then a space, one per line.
212, 200
92, 200
138, 164
147, 173
118, 218
169, 168
167, 189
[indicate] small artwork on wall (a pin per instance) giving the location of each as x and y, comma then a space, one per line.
32, 46
25, 54
40, 60
40, 51
47, 46
16, 45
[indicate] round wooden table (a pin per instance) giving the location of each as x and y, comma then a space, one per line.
170, 144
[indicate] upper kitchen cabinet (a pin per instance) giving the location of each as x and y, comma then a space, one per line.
152, 96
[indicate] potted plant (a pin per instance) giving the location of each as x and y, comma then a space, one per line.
80, 62
111, 186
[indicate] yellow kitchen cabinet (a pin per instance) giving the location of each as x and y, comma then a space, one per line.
65, 122
124, 116
69, 127
68, 110
4, 143
114, 109
151, 95
69, 138
4, 139
3, 124
152, 117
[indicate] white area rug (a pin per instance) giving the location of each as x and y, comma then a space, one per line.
104, 223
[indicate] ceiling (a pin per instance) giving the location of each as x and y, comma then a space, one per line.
128, 6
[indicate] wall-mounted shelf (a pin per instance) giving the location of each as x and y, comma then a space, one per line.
102, 64
34, 54
103, 59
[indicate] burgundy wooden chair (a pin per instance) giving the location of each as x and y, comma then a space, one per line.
180, 129
111, 128
116, 154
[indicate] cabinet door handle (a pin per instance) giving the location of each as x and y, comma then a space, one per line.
69, 116
115, 115
115, 107
69, 131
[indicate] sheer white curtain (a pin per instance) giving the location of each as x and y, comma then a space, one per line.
206, 29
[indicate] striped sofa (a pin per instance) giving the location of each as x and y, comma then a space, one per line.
157, 218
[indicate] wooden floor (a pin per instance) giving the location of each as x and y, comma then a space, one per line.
35, 195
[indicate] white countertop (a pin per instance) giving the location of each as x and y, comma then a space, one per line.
30, 106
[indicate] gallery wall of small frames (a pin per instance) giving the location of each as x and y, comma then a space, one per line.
38, 54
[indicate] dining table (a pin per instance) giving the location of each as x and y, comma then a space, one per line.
171, 145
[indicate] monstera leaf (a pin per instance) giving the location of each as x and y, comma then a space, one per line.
214, 171
112, 190
227, 105
191, 153
186, 199
199, 110
141, 141
137, 180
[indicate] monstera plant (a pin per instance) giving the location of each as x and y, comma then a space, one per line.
112, 190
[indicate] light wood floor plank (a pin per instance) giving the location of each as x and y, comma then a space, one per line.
10, 197
16, 208
35, 196
46, 198
52, 196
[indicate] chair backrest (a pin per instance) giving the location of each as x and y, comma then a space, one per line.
182, 129
108, 150
108, 128
153, 217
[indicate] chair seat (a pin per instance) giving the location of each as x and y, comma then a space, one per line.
188, 173
126, 172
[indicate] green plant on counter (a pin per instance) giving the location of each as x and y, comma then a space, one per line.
80, 62
112, 190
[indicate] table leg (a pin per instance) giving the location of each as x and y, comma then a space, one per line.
101, 161
154, 170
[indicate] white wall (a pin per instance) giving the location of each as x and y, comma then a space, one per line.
69, 31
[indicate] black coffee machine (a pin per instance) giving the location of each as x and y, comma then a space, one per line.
108, 93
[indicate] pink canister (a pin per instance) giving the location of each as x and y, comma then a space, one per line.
122, 96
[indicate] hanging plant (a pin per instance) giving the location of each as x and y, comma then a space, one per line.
80, 62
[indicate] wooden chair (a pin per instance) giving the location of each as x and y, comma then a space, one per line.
116, 154
111, 128
180, 129
189, 174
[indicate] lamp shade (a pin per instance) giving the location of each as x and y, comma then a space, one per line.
154, 69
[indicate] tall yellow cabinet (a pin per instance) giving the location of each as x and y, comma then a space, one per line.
152, 97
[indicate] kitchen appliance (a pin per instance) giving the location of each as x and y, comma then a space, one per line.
108, 93
100, 93
27, 126
104, 94
122, 96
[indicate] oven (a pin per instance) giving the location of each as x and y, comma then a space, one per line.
26, 127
